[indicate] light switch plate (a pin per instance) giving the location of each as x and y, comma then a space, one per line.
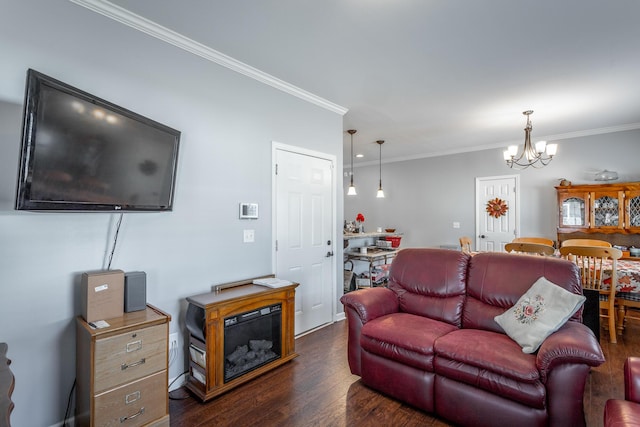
249, 236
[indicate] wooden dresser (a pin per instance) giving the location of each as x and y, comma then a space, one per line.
122, 371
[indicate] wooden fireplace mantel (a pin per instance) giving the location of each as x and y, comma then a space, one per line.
242, 297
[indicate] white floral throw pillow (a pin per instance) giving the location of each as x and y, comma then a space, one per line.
541, 311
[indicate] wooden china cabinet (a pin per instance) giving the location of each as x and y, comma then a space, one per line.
607, 211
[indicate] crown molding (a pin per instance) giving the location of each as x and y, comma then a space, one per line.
130, 19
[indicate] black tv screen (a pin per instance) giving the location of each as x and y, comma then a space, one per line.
82, 153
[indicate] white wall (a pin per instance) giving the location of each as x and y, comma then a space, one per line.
424, 197
228, 123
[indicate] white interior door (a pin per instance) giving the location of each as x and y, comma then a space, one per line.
304, 234
493, 233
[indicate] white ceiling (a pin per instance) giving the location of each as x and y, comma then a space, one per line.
432, 77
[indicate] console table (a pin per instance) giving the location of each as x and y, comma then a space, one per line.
373, 257
206, 317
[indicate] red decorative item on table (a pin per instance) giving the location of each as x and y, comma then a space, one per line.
360, 217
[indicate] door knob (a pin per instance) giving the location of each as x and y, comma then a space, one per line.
482, 236
329, 254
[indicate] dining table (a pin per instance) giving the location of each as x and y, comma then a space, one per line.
628, 284
628, 273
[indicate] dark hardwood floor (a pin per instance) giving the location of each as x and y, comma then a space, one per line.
317, 389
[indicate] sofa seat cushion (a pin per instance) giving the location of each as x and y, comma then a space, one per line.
405, 338
490, 361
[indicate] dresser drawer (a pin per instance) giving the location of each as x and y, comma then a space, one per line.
134, 404
124, 358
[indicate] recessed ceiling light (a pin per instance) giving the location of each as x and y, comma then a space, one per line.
359, 155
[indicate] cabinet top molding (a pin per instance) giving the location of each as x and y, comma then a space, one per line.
615, 186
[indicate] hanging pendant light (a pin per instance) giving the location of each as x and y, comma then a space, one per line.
380, 193
537, 155
352, 188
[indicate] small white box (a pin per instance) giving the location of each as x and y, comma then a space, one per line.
248, 211
363, 282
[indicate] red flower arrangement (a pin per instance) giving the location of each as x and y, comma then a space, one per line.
360, 217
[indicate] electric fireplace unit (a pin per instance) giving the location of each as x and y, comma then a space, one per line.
237, 332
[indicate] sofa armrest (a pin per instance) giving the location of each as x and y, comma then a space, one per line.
632, 379
573, 343
371, 303
360, 307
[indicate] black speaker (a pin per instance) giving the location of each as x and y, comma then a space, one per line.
135, 291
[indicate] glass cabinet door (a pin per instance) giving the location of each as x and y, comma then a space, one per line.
573, 210
606, 210
632, 210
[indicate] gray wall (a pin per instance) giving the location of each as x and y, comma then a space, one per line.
228, 123
424, 197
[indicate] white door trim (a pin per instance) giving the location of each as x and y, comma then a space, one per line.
278, 146
480, 212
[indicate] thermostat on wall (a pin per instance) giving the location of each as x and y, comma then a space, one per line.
248, 211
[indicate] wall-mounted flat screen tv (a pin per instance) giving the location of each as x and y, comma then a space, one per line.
82, 153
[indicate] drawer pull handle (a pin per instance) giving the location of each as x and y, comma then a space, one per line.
130, 398
130, 417
131, 365
134, 346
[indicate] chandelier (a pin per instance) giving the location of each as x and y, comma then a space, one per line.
537, 156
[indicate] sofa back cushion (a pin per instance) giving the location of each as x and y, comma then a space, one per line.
430, 282
497, 280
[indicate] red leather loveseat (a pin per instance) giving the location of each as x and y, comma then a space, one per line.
430, 339
626, 413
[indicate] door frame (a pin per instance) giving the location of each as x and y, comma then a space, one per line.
480, 209
278, 146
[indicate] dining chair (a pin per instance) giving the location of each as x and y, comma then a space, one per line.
586, 242
541, 240
591, 261
529, 248
628, 308
465, 244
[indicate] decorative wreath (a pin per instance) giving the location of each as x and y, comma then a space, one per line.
497, 207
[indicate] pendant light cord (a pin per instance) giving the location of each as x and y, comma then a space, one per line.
351, 158
352, 188
380, 175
